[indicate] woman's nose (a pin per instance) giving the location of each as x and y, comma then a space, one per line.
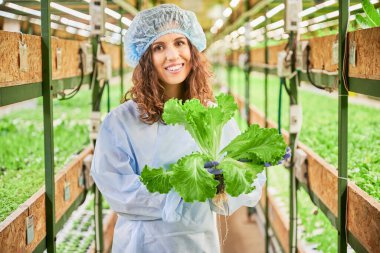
172, 53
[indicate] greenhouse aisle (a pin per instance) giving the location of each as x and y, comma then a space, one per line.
243, 236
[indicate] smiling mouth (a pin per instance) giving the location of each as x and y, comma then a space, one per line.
175, 68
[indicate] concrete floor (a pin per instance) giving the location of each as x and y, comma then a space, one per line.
243, 235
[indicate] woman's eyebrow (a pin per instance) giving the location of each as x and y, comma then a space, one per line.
162, 42
180, 38
158, 42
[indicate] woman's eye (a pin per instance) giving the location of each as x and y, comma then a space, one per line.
157, 48
181, 43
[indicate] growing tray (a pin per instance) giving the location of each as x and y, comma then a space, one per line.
13, 229
11, 75
363, 211
365, 66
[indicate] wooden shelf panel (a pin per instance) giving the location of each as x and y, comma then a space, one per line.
321, 55
363, 215
11, 75
13, 228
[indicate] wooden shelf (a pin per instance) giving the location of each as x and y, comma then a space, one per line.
11, 75
363, 211
13, 228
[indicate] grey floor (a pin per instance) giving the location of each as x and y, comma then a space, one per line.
243, 234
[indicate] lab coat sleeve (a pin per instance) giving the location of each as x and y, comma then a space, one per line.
251, 199
113, 172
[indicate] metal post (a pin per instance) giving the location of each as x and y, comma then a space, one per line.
247, 68
138, 4
342, 126
229, 70
48, 126
121, 57
98, 211
266, 125
293, 186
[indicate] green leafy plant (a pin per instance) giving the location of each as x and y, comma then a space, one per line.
256, 146
372, 18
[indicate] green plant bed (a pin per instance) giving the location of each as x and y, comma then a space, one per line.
21, 133
316, 228
320, 127
79, 231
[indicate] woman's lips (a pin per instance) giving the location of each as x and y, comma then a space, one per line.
175, 68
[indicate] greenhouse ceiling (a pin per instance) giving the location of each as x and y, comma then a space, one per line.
217, 17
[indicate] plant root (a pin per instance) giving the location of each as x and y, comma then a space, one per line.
221, 202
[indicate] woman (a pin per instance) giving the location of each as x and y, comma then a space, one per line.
164, 45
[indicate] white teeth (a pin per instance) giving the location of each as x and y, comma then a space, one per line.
174, 68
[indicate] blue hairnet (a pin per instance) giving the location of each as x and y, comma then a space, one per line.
151, 24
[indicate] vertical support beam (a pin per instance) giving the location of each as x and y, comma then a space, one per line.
247, 67
229, 70
139, 4
342, 126
96, 97
121, 56
48, 126
293, 186
266, 57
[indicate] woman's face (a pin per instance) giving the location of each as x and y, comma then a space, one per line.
171, 59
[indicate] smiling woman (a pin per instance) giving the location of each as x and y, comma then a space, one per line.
172, 67
172, 60
165, 46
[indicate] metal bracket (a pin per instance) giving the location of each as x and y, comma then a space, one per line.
104, 66
29, 229
335, 53
87, 167
300, 165
352, 53
87, 57
67, 191
295, 119
59, 58
301, 62
23, 51
81, 179
95, 121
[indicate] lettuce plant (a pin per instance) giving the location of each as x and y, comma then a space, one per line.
256, 146
372, 18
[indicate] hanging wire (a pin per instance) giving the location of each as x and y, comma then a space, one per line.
344, 68
308, 63
72, 93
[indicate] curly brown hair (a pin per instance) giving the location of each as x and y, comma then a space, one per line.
148, 93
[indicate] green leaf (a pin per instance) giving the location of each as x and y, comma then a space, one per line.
239, 176
174, 112
204, 124
156, 180
362, 22
191, 180
258, 144
371, 12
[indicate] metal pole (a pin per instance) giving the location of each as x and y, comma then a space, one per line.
293, 185
229, 69
121, 57
98, 211
48, 126
266, 125
247, 67
138, 4
342, 126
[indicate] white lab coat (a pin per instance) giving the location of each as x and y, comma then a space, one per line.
157, 223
